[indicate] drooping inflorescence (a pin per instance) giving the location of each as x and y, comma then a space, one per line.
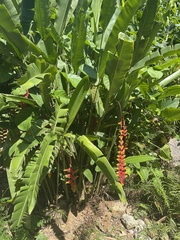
70, 176
121, 166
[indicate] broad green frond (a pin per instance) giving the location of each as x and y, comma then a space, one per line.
120, 25
5, 19
40, 170
63, 7
78, 37
42, 16
20, 209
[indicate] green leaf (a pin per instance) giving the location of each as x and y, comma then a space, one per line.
107, 10
91, 72
88, 174
72, 78
19, 150
148, 28
13, 98
102, 163
62, 9
117, 66
120, 25
2, 102
150, 59
77, 99
23, 119
61, 95
20, 209
42, 16
78, 37
167, 64
12, 8
5, 19
99, 107
157, 56
154, 73
122, 22
59, 117
169, 103
97, 169
106, 82
106, 34
20, 43
51, 51
171, 50
40, 170
45, 90
27, 14
54, 35
165, 152
138, 159
5, 72
143, 173
169, 91
37, 98
34, 81
171, 114
96, 9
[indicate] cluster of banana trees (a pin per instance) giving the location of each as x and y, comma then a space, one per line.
64, 66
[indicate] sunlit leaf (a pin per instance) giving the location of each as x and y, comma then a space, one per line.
88, 174
63, 7
139, 159
165, 152
23, 119
77, 99
5, 19
144, 174
79, 36
171, 114
42, 16
169, 91
61, 95
170, 103
154, 73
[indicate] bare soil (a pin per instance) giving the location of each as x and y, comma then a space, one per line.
97, 221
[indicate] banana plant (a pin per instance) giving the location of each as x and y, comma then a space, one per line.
69, 62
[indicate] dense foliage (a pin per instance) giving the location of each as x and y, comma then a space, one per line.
65, 67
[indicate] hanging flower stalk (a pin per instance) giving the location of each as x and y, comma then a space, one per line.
121, 166
70, 176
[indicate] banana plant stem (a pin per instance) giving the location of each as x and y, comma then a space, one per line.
170, 78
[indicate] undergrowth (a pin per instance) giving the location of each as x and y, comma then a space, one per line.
157, 199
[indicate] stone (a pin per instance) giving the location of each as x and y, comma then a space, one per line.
131, 223
174, 145
128, 221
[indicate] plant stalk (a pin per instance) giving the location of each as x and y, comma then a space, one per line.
170, 78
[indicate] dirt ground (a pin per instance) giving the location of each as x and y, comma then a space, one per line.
97, 221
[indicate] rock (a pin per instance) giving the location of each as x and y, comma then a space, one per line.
135, 227
174, 145
116, 207
140, 225
130, 223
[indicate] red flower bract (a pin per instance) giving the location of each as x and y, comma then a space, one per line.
121, 167
71, 176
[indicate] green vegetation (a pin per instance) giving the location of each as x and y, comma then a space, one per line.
65, 66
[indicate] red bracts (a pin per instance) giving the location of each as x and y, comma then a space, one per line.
70, 175
121, 167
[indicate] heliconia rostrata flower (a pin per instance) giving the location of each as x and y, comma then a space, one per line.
71, 176
121, 166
